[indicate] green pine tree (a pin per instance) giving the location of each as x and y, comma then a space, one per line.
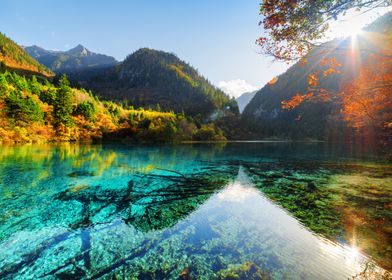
63, 105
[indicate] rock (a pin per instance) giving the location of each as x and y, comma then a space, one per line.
311, 187
80, 173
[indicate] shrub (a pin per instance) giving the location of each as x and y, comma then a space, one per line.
112, 108
205, 133
87, 110
208, 132
169, 131
48, 95
145, 124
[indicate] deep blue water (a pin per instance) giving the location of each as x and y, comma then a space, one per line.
272, 210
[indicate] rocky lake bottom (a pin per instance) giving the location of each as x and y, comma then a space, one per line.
229, 211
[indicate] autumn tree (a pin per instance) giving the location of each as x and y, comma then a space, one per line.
366, 82
293, 27
293, 30
367, 100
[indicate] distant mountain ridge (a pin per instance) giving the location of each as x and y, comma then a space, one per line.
150, 77
244, 100
75, 59
13, 57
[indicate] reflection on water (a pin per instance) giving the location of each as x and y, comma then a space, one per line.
267, 211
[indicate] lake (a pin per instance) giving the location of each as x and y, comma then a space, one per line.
195, 211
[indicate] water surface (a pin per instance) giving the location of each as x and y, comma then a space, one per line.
242, 210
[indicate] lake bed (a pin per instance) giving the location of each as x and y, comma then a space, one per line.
262, 210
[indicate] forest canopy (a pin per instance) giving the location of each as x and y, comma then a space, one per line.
36, 110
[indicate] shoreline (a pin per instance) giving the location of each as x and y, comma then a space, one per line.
117, 141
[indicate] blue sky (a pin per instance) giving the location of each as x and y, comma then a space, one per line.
215, 36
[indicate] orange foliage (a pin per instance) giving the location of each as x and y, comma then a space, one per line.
322, 97
331, 62
367, 100
296, 100
273, 81
303, 62
329, 71
13, 64
313, 79
316, 93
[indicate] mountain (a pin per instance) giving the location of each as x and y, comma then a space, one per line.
265, 115
149, 77
13, 57
244, 99
36, 51
75, 59
37, 110
319, 118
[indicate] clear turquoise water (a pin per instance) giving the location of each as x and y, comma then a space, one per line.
272, 210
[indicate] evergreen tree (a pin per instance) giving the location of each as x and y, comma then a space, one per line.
3, 84
20, 82
49, 95
63, 105
35, 86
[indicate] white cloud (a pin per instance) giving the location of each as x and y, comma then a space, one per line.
236, 87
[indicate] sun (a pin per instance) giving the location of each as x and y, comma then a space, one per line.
351, 27
353, 30
351, 24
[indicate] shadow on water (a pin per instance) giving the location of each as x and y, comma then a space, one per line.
92, 211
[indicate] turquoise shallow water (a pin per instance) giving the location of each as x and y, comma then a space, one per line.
261, 210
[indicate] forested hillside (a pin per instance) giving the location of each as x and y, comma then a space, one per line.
15, 58
310, 120
35, 110
337, 90
156, 79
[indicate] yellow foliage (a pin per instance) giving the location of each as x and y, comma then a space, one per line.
179, 70
107, 118
152, 115
79, 96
